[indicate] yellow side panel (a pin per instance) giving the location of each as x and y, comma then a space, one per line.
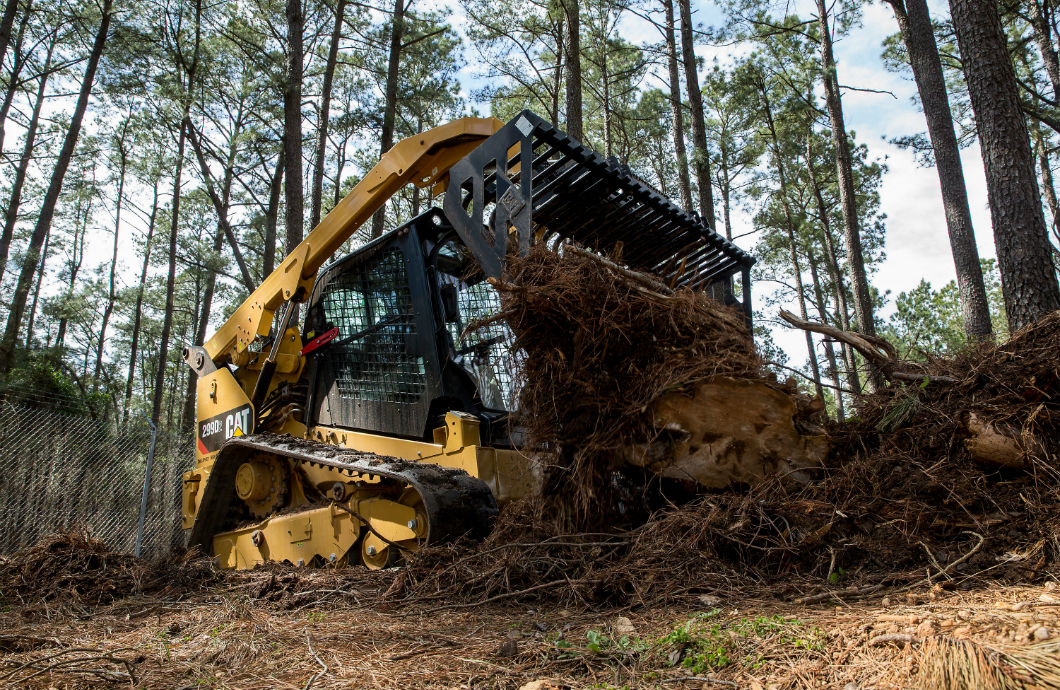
222, 410
510, 474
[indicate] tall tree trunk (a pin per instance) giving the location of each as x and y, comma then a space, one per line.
606, 79
171, 392
915, 25
123, 161
171, 279
138, 308
1043, 36
272, 215
15, 200
51, 197
386, 139
843, 309
6, 22
194, 319
573, 57
203, 322
292, 126
1028, 279
557, 76
832, 265
848, 200
187, 417
340, 166
1046, 172
325, 113
415, 188
660, 178
18, 61
684, 184
700, 157
221, 206
81, 217
789, 218
36, 291
725, 184
159, 392
829, 349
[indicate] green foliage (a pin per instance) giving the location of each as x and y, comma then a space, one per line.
995, 299
41, 378
599, 643
704, 643
700, 647
928, 322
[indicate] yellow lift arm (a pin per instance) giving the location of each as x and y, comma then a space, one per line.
423, 160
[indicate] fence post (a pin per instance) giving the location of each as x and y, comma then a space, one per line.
147, 488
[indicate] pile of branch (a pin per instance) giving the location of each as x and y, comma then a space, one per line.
598, 346
996, 404
71, 566
948, 475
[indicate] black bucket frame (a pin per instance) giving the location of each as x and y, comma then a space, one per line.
535, 179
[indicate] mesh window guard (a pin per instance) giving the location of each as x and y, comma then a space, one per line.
372, 307
485, 351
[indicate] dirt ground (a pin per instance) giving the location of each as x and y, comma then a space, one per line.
283, 628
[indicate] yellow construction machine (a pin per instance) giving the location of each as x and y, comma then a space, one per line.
382, 424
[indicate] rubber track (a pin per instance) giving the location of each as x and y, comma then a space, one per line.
457, 504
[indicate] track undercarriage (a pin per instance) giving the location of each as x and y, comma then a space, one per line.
280, 498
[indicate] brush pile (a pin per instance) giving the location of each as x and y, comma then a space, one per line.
71, 567
620, 371
945, 478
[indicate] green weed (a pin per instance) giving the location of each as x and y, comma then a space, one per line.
704, 644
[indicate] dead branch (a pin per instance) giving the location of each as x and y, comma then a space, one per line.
636, 276
309, 683
877, 351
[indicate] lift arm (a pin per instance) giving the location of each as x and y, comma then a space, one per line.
423, 160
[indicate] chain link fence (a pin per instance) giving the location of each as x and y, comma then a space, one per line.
59, 469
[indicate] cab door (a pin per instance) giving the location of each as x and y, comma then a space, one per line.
378, 373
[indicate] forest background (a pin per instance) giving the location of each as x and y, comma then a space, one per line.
159, 158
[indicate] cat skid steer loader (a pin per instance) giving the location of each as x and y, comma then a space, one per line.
380, 424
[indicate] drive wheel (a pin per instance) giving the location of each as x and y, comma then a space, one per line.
261, 482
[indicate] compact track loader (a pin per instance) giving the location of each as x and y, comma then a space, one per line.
381, 424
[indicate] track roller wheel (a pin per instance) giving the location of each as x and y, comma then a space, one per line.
377, 553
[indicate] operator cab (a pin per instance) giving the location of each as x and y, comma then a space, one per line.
407, 348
